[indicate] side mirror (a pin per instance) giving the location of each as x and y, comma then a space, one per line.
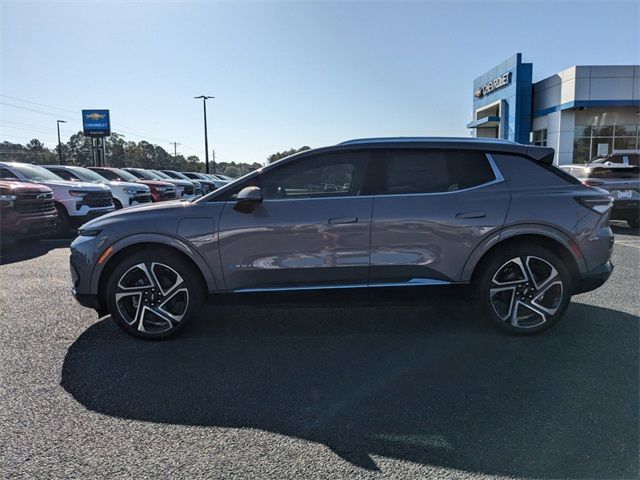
248, 199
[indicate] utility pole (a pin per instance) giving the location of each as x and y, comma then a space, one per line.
206, 140
213, 156
175, 148
58, 122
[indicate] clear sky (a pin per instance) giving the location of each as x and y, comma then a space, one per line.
283, 74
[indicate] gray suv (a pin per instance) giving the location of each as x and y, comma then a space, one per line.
395, 212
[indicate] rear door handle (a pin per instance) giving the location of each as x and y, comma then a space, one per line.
341, 220
471, 215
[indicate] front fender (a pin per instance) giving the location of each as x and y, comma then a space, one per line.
160, 239
516, 230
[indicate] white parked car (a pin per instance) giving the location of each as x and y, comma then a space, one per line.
76, 202
125, 194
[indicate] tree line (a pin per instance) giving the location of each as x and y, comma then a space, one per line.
122, 153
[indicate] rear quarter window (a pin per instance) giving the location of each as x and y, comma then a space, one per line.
523, 172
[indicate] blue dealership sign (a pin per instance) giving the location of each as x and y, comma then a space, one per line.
96, 123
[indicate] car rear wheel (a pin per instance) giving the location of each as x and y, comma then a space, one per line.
634, 222
524, 289
153, 294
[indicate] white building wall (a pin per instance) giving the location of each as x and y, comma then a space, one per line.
579, 84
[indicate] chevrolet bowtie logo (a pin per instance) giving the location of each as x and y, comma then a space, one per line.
95, 116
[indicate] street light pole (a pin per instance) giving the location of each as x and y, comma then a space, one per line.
206, 140
58, 122
175, 148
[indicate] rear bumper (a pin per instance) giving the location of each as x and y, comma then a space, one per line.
624, 208
593, 279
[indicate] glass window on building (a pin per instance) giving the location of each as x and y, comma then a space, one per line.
600, 132
539, 138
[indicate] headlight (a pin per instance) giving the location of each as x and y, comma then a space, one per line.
162, 189
77, 193
7, 197
129, 191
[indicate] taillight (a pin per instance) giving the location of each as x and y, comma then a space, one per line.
597, 203
592, 183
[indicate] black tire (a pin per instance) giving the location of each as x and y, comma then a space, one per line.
163, 312
63, 227
505, 290
117, 204
634, 222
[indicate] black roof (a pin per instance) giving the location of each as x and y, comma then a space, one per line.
540, 154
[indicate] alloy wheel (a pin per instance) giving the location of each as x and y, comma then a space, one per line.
152, 297
526, 292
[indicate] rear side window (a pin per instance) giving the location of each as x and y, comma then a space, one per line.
432, 171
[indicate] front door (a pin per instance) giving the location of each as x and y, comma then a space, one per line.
312, 229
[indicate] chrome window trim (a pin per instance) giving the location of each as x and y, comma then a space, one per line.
414, 282
499, 178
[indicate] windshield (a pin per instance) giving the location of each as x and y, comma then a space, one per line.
161, 174
126, 176
148, 174
88, 175
178, 175
36, 173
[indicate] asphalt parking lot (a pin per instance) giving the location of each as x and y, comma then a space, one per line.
400, 384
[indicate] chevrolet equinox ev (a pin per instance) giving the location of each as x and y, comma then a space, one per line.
386, 212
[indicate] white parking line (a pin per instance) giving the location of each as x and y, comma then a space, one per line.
635, 245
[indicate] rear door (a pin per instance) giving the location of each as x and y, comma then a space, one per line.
432, 209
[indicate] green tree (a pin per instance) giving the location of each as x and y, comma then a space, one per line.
278, 155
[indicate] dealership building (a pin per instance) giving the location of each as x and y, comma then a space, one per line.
582, 112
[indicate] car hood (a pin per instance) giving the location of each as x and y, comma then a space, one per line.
24, 187
177, 181
120, 220
91, 187
137, 186
156, 183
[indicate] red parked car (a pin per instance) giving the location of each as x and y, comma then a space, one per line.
160, 190
26, 210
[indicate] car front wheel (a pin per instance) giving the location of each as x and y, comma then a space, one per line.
524, 289
153, 294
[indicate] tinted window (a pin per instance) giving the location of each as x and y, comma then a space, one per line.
620, 172
329, 175
108, 174
4, 173
64, 174
430, 171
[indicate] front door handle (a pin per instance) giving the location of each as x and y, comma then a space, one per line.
341, 220
471, 215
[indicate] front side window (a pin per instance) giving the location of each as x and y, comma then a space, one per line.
431, 171
65, 174
320, 176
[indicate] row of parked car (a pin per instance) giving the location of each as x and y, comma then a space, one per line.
52, 200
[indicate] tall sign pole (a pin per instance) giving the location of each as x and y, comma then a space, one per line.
206, 139
58, 122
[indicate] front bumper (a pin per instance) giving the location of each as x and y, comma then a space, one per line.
15, 225
593, 279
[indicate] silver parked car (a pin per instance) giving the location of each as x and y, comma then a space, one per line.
404, 212
621, 181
